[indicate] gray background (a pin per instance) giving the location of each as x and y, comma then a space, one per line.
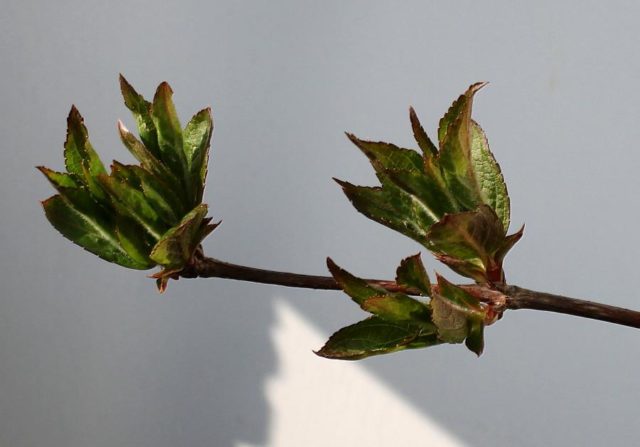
90, 355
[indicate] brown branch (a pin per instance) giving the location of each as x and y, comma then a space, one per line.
500, 297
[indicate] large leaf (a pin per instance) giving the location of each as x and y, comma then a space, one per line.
81, 220
455, 151
375, 336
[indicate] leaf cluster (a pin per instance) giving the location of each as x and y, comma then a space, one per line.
452, 199
144, 215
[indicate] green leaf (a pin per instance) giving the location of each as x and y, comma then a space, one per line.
134, 239
391, 206
458, 316
378, 301
460, 106
424, 142
81, 160
176, 246
386, 156
468, 243
489, 176
81, 220
411, 273
141, 110
165, 119
149, 161
197, 139
59, 179
426, 191
375, 336
158, 195
131, 202
475, 339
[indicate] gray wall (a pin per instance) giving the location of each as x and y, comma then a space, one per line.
90, 355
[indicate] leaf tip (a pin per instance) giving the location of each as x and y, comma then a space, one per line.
163, 90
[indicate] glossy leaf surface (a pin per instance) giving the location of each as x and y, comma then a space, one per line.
375, 336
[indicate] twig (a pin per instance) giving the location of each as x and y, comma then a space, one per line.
500, 296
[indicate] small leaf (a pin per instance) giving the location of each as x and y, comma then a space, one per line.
197, 139
468, 242
411, 273
375, 336
141, 110
148, 160
59, 179
508, 243
385, 156
457, 315
378, 301
475, 339
460, 106
81, 160
165, 119
176, 246
80, 219
424, 142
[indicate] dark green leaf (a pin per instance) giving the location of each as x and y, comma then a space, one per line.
149, 161
134, 239
411, 273
475, 339
141, 110
392, 207
81, 160
59, 179
375, 336
165, 119
197, 139
81, 220
130, 201
159, 195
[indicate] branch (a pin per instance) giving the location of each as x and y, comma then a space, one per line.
504, 296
